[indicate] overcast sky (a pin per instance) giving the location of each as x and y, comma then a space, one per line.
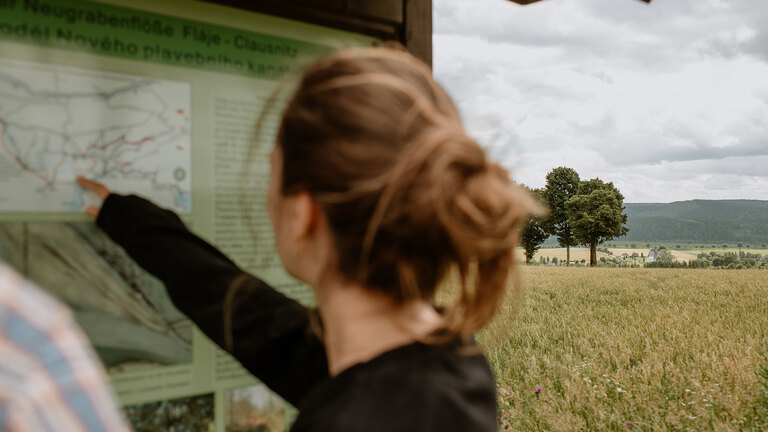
669, 101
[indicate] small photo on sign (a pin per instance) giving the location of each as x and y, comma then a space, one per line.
187, 414
255, 409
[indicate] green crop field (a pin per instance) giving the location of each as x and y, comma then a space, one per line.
600, 349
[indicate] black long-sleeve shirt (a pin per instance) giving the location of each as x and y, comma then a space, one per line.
416, 387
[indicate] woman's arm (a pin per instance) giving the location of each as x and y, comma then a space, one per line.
271, 334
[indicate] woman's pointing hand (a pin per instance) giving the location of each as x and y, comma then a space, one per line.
97, 188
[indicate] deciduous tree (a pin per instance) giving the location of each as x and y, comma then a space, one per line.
596, 214
562, 185
533, 233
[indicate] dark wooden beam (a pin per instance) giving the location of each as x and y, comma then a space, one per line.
418, 29
329, 13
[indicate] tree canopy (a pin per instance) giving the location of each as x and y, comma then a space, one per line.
562, 185
534, 232
596, 214
580, 212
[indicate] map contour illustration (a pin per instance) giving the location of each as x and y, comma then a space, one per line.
129, 132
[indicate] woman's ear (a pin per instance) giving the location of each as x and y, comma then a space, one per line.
305, 216
308, 250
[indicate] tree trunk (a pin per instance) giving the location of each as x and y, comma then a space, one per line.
593, 254
527, 260
567, 255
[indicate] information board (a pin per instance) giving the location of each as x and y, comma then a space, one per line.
159, 98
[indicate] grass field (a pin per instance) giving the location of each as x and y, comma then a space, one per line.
633, 349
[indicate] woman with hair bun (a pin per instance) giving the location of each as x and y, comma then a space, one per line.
376, 192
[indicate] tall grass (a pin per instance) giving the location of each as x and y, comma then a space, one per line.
633, 349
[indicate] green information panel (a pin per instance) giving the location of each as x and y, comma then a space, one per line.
159, 98
101, 29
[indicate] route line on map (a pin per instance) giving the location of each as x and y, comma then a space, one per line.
50, 148
14, 152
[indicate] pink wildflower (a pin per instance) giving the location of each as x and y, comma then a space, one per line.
538, 389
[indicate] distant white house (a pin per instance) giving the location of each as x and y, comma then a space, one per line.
624, 255
652, 255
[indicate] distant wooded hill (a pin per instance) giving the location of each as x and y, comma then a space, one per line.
701, 221
697, 221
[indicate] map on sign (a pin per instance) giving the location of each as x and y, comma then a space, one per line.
129, 132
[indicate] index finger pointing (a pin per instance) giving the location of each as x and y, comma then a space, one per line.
97, 188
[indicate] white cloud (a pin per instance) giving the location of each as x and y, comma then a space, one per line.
667, 100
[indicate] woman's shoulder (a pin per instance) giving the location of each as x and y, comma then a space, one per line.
439, 378
427, 364
414, 387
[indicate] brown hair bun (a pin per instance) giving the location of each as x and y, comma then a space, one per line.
407, 193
